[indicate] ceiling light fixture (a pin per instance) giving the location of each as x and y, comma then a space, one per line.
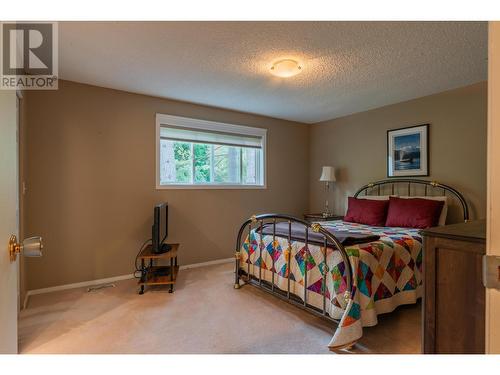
286, 68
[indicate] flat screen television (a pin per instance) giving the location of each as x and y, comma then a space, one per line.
160, 228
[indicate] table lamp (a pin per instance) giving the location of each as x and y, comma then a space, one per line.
327, 176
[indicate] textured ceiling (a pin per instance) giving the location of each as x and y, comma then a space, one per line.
348, 67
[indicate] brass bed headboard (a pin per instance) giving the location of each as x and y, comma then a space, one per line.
395, 185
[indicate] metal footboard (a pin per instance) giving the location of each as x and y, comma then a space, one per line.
330, 241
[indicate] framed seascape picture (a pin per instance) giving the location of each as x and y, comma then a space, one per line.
408, 151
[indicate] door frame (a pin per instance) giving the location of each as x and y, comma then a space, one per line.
10, 224
19, 97
492, 311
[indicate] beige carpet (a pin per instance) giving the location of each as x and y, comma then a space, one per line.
204, 315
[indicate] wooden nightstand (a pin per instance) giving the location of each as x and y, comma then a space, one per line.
158, 275
319, 217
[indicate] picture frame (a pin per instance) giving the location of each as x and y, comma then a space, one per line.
408, 151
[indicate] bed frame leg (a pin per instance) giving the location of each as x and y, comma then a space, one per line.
237, 273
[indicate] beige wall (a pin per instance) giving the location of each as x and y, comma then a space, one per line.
90, 175
356, 146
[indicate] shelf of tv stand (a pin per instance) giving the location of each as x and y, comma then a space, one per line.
147, 253
152, 277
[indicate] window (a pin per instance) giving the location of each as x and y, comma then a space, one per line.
197, 153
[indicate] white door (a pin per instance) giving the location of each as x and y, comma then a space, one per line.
493, 226
8, 221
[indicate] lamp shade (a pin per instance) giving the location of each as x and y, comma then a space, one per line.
327, 174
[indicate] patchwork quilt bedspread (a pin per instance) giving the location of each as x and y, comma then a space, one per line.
386, 273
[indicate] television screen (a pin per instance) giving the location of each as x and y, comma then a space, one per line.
160, 228
163, 222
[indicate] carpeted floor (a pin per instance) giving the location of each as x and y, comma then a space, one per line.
204, 315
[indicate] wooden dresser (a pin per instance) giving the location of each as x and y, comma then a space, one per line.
454, 296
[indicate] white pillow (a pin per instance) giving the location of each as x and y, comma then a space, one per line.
444, 211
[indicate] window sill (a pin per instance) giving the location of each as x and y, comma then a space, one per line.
210, 187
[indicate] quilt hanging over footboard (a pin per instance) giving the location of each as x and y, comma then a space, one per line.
386, 273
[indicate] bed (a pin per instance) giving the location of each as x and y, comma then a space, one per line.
345, 272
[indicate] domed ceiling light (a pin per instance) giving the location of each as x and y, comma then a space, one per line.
286, 68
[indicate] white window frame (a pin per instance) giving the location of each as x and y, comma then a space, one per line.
186, 122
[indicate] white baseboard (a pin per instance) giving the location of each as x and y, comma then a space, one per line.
111, 279
77, 285
205, 264
25, 302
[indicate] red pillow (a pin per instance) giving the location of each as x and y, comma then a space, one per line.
366, 211
413, 212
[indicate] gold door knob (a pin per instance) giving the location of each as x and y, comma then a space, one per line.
31, 247
14, 248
